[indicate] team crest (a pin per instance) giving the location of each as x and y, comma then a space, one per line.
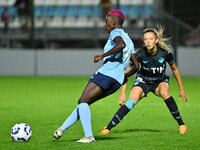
161, 60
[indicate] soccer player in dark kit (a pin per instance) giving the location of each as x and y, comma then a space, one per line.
152, 78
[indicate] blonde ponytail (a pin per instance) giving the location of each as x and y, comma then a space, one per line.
163, 42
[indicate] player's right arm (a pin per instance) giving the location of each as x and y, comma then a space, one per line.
129, 72
120, 45
122, 97
134, 66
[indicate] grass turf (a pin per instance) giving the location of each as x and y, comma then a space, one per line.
45, 102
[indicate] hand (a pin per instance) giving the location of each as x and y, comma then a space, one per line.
122, 99
97, 58
183, 95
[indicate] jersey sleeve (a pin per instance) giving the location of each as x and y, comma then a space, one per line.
133, 48
139, 54
170, 58
114, 34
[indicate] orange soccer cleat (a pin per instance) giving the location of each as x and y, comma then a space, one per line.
182, 129
104, 131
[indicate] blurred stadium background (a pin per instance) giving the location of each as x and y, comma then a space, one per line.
45, 37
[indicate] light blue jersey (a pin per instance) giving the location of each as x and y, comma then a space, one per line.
115, 65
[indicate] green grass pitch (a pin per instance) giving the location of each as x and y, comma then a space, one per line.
45, 102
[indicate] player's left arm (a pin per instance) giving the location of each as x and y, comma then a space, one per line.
120, 45
177, 75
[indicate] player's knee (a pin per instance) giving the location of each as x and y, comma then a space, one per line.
131, 103
82, 101
164, 94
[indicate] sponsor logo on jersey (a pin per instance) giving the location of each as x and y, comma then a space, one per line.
156, 69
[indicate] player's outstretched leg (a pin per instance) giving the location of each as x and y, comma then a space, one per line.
121, 113
68, 122
182, 129
58, 133
171, 104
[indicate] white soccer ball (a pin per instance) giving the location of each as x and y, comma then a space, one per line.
21, 132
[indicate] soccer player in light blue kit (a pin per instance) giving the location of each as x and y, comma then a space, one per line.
118, 51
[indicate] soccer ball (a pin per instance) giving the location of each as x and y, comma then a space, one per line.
21, 132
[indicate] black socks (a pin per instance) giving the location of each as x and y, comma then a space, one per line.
122, 112
171, 104
118, 117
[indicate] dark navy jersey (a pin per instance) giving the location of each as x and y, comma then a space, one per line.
153, 67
